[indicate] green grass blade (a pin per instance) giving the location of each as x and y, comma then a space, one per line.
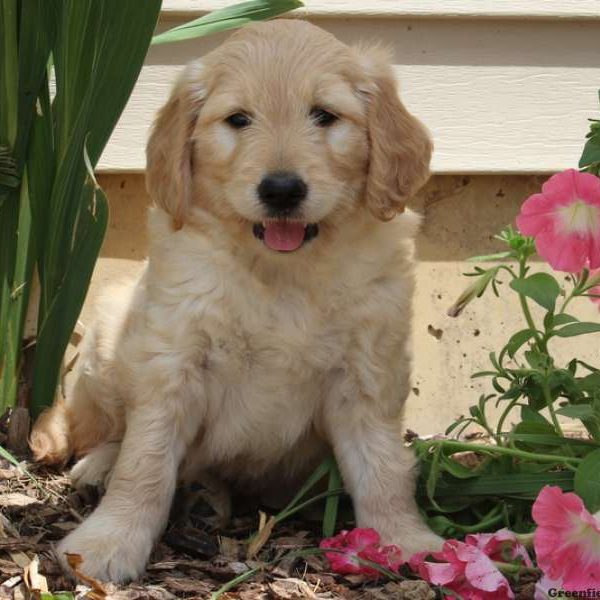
6, 455
332, 502
316, 476
230, 17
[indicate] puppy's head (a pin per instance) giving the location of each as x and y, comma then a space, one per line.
283, 133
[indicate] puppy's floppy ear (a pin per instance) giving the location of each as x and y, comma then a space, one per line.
400, 147
169, 152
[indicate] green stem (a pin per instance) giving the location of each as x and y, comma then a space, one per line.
527, 313
526, 539
482, 525
550, 405
566, 302
460, 446
513, 569
503, 417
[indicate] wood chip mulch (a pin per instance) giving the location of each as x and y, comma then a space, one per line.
38, 507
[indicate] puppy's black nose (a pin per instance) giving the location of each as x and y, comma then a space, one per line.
282, 191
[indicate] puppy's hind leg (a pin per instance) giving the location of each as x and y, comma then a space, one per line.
90, 415
50, 438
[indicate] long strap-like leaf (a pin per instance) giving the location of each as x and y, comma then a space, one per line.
230, 17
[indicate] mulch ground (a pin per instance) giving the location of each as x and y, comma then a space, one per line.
191, 561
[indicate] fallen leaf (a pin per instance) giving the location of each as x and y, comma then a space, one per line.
292, 589
99, 590
15, 499
262, 536
34, 581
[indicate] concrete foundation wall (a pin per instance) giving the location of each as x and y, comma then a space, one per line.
461, 216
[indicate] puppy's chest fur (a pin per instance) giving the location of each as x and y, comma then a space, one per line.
264, 370
259, 353
265, 367
257, 356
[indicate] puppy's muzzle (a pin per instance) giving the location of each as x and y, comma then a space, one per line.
282, 193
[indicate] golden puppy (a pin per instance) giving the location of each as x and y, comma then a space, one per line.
272, 320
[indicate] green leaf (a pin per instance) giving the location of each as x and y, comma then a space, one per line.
540, 287
230, 17
61, 317
9, 176
517, 340
447, 463
533, 432
589, 383
574, 329
535, 359
576, 411
509, 483
563, 319
527, 414
97, 54
491, 257
587, 481
591, 151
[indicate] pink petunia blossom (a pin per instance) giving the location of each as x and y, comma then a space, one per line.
465, 569
502, 546
564, 219
567, 540
361, 544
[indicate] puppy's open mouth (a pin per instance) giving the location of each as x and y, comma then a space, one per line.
285, 236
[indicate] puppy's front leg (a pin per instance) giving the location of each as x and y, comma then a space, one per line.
378, 471
116, 540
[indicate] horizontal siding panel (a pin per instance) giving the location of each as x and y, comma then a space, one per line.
507, 9
498, 96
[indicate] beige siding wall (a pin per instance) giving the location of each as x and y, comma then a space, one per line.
507, 90
462, 214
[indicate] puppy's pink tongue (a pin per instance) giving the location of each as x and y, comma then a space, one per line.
284, 236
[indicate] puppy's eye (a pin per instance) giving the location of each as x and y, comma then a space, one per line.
322, 117
238, 120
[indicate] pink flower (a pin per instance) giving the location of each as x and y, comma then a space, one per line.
361, 544
567, 540
502, 546
465, 569
564, 219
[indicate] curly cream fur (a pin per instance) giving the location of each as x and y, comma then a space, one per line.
226, 357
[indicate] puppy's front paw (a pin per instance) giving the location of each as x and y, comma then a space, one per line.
411, 536
110, 550
422, 540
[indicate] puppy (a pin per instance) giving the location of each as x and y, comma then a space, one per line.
271, 322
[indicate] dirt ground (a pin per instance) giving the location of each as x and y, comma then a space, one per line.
38, 508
